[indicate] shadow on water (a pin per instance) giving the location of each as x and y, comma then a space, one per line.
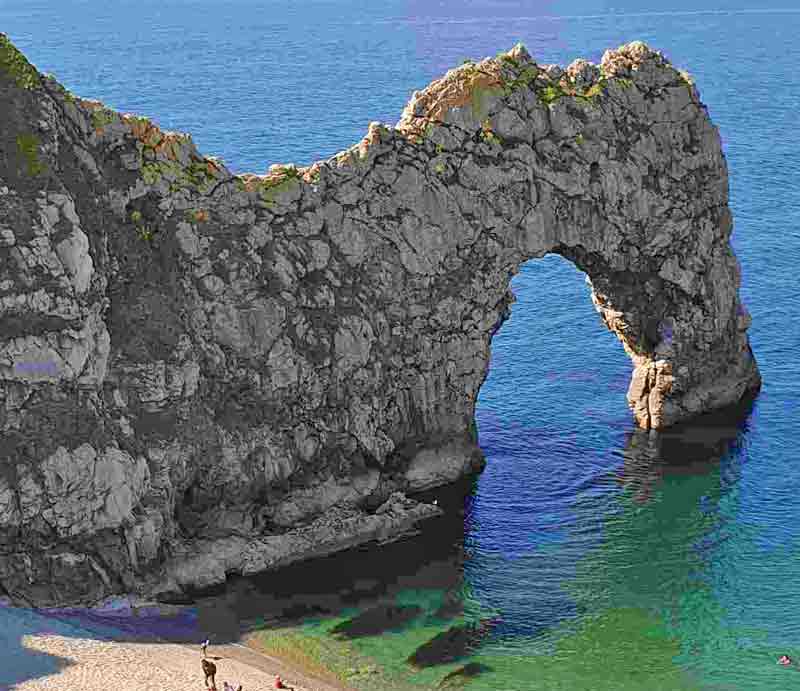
672, 482
366, 578
369, 580
691, 448
637, 561
451, 645
463, 674
376, 620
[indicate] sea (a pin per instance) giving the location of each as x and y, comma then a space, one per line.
598, 557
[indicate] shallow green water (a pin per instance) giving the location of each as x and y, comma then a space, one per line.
647, 615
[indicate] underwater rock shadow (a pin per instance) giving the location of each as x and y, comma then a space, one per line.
455, 643
463, 675
376, 620
691, 448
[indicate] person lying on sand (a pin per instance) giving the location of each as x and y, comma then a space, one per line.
280, 685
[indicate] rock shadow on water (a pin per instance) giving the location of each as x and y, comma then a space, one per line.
452, 606
463, 675
690, 448
452, 645
376, 620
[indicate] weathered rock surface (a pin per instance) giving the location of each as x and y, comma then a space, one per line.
204, 374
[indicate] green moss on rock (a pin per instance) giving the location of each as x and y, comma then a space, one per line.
28, 148
480, 98
550, 94
145, 233
196, 175
488, 135
102, 117
594, 91
555, 90
16, 66
525, 78
151, 173
271, 190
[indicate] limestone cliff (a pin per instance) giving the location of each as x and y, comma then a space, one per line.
203, 373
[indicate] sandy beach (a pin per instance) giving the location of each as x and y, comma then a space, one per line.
45, 652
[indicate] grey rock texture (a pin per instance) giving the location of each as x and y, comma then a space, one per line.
204, 374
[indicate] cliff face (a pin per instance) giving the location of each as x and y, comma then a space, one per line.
203, 373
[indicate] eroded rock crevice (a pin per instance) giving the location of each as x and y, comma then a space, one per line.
204, 373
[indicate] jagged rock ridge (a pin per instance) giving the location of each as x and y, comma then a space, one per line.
203, 373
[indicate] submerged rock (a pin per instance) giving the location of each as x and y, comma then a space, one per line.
451, 645
451, 607
376, 620
462, 675
204, 374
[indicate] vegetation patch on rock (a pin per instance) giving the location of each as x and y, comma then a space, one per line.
279, 180
16, 65
28, 149
101, 118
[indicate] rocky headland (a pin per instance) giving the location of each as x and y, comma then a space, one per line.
204, 373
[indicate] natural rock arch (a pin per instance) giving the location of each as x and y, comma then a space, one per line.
625, 177
190, 357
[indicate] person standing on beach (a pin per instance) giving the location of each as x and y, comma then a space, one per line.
210, 670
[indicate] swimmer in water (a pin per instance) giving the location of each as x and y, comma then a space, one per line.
784, 660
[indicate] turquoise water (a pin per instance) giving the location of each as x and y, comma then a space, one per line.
615, 561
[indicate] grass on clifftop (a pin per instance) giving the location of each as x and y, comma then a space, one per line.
16, 66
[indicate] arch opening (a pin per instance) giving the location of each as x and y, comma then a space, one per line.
555, 369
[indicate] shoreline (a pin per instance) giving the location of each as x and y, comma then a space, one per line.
59, 651
236, 615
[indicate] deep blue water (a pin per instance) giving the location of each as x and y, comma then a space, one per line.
579, 533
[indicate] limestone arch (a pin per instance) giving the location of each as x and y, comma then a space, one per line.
307, 339
619, 169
